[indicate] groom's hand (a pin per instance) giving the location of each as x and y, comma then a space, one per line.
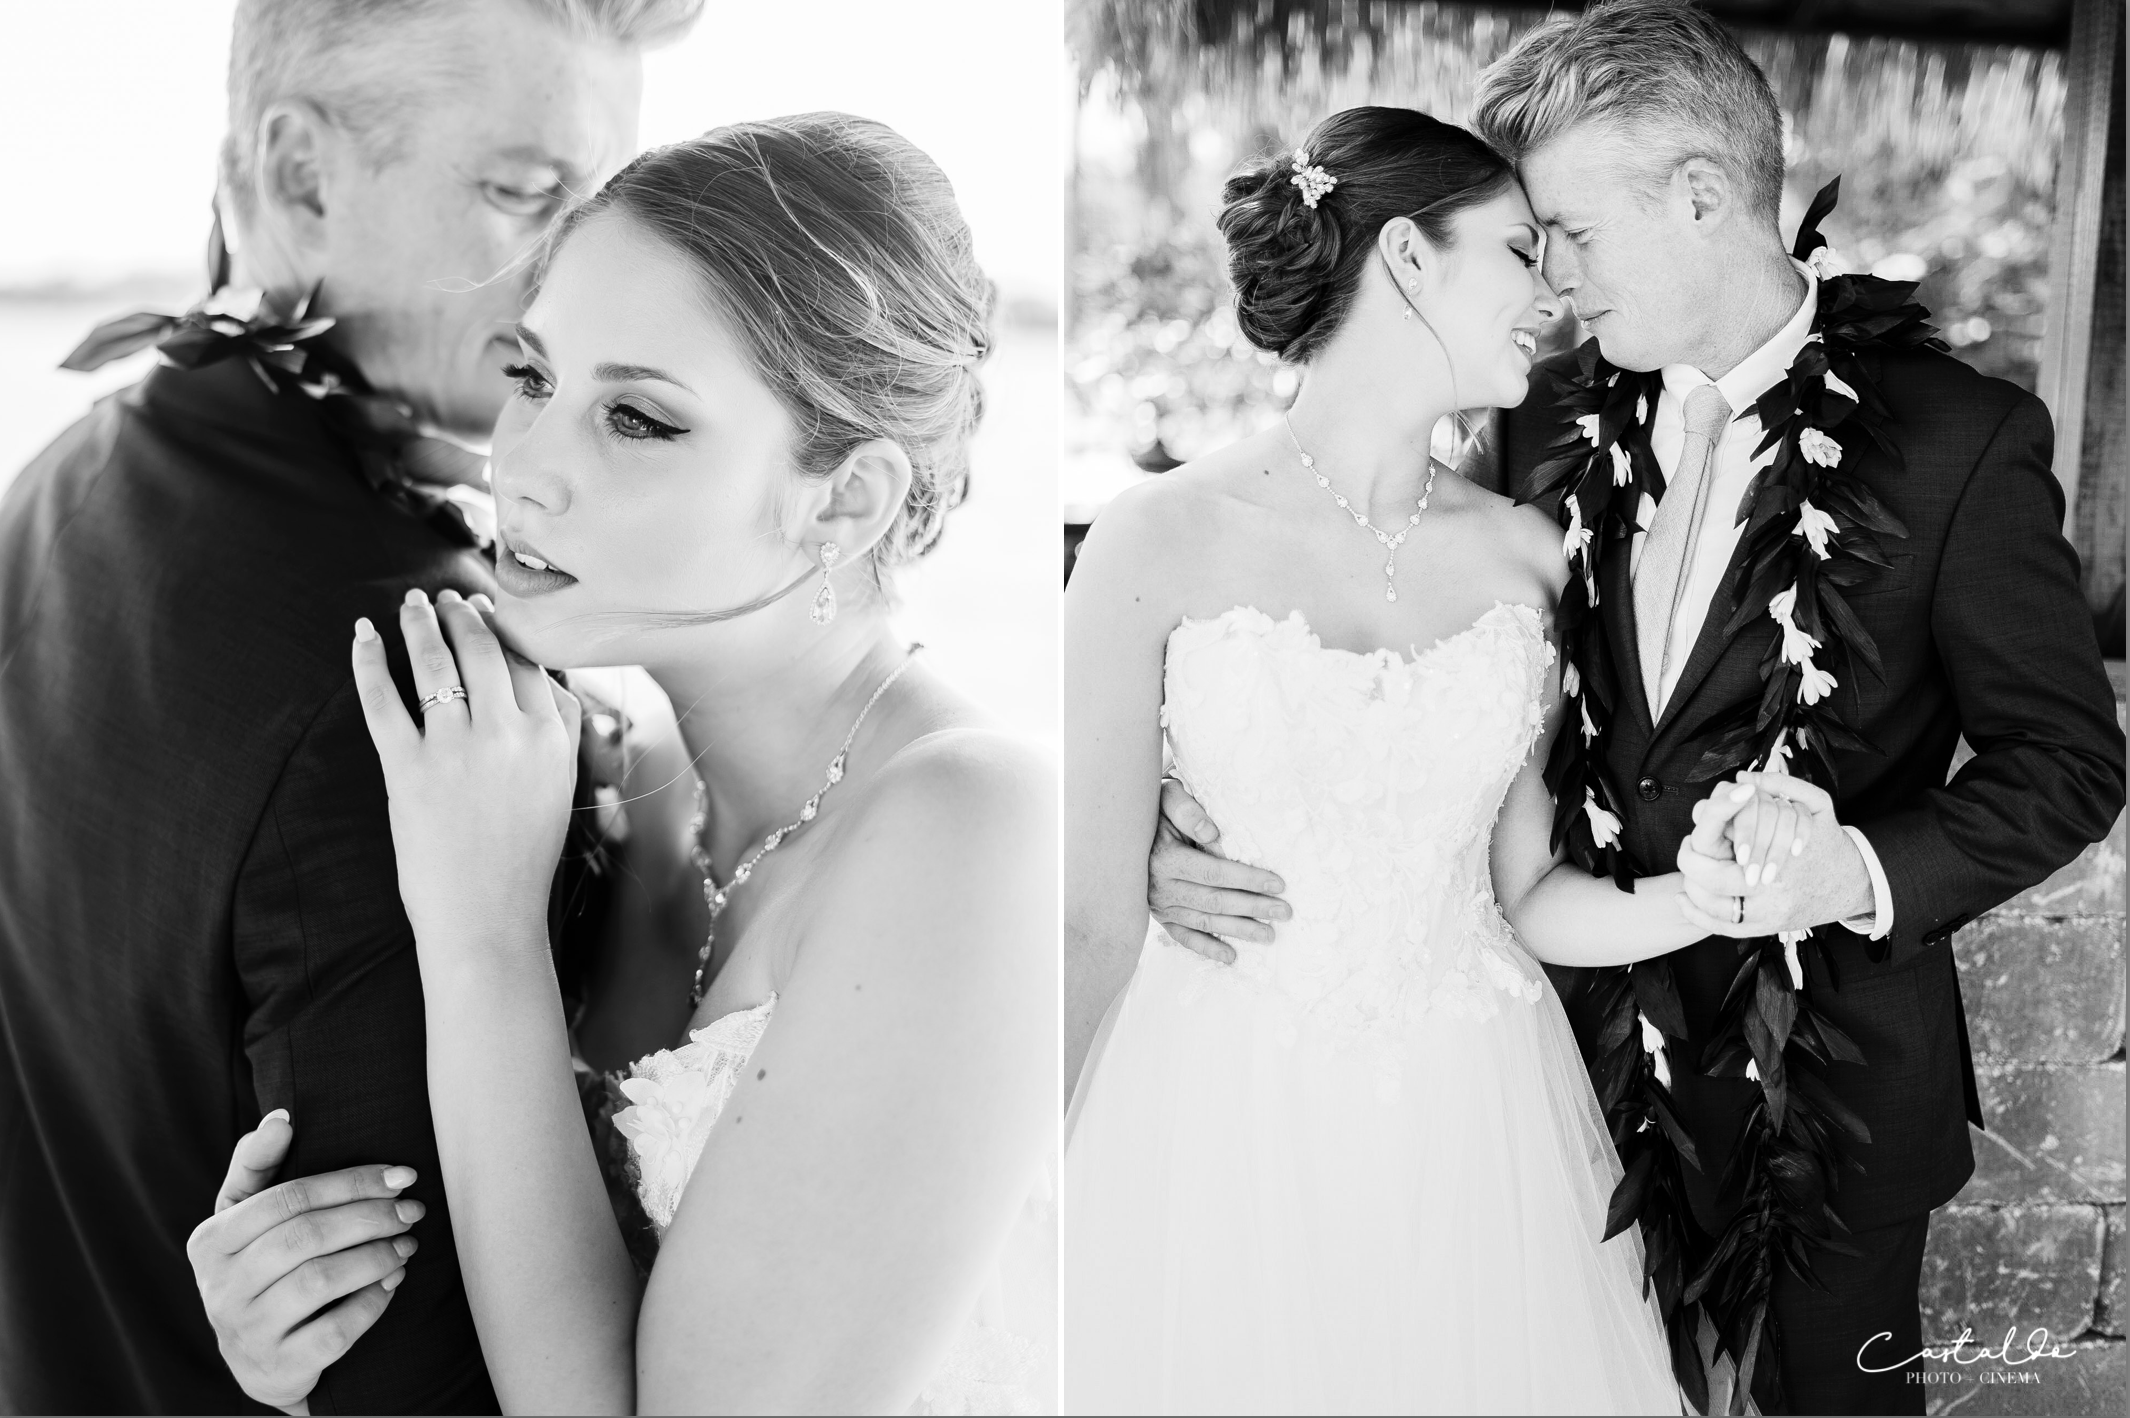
291, 1275
1198, 895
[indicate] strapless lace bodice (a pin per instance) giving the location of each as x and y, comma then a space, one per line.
1362, 1169
1370, 783
1000, 1363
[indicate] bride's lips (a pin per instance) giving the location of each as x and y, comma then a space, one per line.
518, 578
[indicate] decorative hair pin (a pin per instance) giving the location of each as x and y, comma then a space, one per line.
1313, 181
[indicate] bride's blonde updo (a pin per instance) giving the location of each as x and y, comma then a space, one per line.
836, 249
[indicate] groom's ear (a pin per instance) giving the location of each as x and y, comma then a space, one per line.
861, 497
290, 180
1708, 191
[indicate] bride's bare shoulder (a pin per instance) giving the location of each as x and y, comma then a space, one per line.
953, 856
981, 797
1159, 531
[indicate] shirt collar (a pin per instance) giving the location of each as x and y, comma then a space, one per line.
1760, 369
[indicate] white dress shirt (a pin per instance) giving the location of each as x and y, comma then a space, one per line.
1731, 471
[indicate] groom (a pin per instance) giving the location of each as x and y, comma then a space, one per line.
1650, 146
199, 917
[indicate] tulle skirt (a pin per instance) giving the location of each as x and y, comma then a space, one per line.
1265, 1217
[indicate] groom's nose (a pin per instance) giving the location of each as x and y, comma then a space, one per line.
1559, 268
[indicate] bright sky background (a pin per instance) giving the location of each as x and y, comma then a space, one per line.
111, 112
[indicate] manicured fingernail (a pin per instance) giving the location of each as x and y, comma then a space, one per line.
404, 1245
399, 1178
479, 599
1281, 911
1207, 832
447, 595
1767, 878
391, 1282
409, 1210
1752, 875
1797, 848
364, 631
416, 596
281, 1113
1276, 887
1740, 793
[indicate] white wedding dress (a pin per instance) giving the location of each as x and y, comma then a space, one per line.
1360, 1170
1005, 1358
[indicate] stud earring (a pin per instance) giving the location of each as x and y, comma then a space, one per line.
824, 607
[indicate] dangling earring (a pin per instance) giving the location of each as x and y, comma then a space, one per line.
824, 606
1412, 283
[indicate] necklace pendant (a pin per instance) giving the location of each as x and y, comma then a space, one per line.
1390, 593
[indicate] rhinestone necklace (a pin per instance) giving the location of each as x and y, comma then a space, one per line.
1390, 543
717, 897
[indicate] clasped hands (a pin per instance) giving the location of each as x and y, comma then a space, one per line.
1767, 854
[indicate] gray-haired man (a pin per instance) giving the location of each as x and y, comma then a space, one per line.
198, 914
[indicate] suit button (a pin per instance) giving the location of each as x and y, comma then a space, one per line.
1649, 790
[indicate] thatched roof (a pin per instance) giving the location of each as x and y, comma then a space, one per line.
1139, 38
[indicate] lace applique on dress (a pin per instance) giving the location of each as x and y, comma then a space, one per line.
1370, 782
676, 1094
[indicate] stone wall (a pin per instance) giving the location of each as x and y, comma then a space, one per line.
2035, 1239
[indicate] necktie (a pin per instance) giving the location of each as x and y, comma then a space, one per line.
1668, 550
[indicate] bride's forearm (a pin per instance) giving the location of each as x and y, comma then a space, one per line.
1098, 965
553, 1292
1569, 917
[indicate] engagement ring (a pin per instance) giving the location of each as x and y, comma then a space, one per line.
443, 696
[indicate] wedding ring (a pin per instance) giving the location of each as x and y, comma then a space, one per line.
443, 696
1739, 918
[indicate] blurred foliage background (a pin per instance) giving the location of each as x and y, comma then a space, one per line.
1947, 154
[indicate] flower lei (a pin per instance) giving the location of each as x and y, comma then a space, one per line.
282, 346
1812, 531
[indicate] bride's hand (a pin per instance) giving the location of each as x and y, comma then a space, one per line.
292, 1275
1744, 834
481, 788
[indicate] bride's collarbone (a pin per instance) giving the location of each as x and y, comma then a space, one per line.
1455, 565
1349, 612
758, 934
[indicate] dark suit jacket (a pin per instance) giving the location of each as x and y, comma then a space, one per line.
1983, 631
199, 917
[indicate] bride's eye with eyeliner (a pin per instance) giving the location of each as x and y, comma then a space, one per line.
628, 421
1528, 258
531, 383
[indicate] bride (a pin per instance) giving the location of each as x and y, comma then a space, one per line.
1361, 1170
747, 386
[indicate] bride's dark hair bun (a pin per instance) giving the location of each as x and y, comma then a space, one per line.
1295, 268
